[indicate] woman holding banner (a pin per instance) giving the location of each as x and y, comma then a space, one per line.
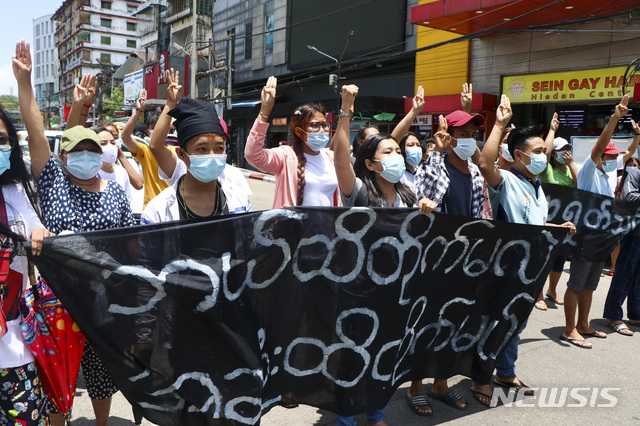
22, 399
373, 181
73, 199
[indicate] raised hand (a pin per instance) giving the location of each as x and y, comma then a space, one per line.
175, 90
21, 62
635, 127
349, 93
418, 100
268, 96
555, 123
85, 91
141, 103
504, 113
442, 138
466, 97
621, 108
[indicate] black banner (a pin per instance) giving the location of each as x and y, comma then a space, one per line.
203, 322
600, 221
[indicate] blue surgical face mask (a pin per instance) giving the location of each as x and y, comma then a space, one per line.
414, 156
84, 164
392, 167
538, 163
559, 158
317, 140
629, 168
610, 165
5, 153
465, 148
207, 168
506, 154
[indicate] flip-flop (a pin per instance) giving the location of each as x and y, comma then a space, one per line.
576, 342
416, 401
595, 333
489, 403
542, 306
515, 386
619, 328
450, 399
556, 300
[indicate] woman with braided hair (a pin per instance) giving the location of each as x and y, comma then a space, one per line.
305, 174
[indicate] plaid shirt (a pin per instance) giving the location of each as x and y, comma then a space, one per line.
432, 182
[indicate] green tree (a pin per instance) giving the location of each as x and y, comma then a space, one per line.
9, 102
113, 103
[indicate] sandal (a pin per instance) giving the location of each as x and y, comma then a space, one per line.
555, 300
418, 401
450, 399
479, 395
581, 343
540, 304
621, 328
515, 386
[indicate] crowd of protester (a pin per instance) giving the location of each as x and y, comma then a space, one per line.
87, 187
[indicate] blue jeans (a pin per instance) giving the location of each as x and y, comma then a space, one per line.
373, 417
506, 361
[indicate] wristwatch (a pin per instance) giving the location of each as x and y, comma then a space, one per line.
341, 113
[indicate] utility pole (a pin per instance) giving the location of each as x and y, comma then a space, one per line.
231, 37
211, 66
194, 52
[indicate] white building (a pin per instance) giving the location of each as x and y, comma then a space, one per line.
45, 58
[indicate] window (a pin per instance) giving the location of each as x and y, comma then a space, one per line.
84, 37
37, 30
131, 8
248, 45
37, 44
105, 40
38, 72
131, 26
131, 43
38, 58
105, 22
105, 57
47, 72
46, 55
105, 4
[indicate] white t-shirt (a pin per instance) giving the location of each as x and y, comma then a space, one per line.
14, 351
231, 179
121, 177
320, 179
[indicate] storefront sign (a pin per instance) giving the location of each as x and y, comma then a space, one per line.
423, 120
279, 121
587, 85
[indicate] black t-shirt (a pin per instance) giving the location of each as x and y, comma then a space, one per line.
457, 200
186, 213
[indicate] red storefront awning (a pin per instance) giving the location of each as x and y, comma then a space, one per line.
482, 102
471, 16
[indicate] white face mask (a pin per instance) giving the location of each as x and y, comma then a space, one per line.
465, 148
109, 153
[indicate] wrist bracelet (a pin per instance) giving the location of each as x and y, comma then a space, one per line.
266, 117
88, 106
138, 109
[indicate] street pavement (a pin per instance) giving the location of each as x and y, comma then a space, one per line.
544, 362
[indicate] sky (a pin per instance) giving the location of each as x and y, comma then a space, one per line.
17, 24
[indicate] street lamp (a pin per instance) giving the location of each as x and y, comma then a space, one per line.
333, 78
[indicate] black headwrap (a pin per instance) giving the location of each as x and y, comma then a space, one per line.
193, 118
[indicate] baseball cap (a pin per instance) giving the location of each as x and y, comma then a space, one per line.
73, 136
460, 118
612, 149
559, 143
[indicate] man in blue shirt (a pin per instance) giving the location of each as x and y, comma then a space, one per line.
585, 275
516, 196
